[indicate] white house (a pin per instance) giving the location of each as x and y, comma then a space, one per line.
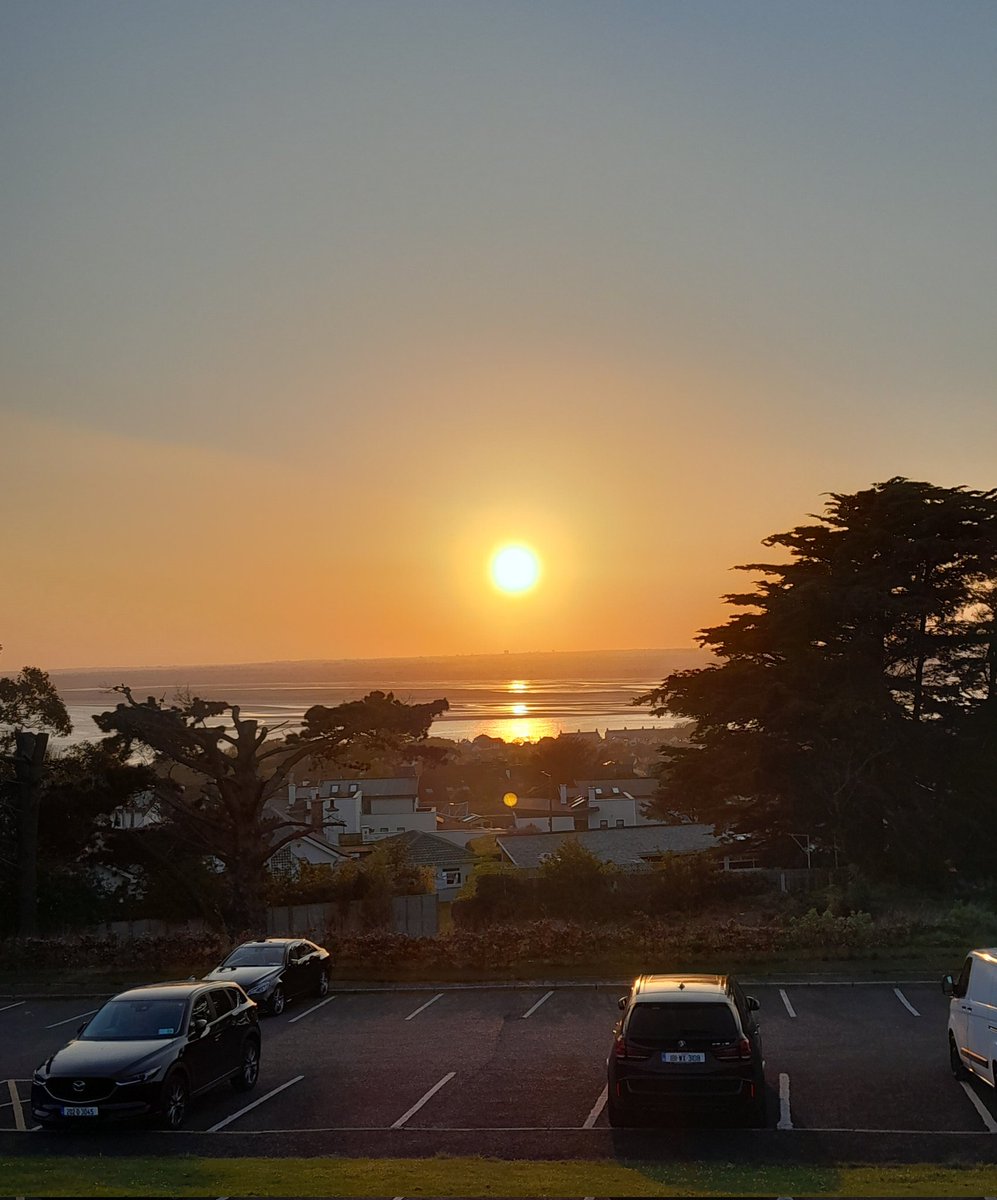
361, 810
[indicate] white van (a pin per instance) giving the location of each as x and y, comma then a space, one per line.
973, 1017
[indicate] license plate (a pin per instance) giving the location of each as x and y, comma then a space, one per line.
75, 1110
683, 1056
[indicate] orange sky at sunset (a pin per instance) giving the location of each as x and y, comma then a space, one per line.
311, 307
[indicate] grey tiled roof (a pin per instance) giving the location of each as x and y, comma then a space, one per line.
428, 850
623, 847
640, 789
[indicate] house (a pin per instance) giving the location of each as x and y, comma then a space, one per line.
635, 848
612, 803
360, 811
452, 865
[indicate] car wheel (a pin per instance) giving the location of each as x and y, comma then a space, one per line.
244, 1080
955, 1062
756, 1113
619, 1116
323, 983
277, 1001
176, 1099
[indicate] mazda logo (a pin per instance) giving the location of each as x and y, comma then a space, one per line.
79, 1085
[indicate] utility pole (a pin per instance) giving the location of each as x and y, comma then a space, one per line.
29, 762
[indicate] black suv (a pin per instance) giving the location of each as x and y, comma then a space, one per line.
147, 1052
276, 970
686, 1043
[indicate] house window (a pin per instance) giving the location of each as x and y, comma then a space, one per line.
451, 878
603, 824
385, 829
283, 863
353, 788
619, 822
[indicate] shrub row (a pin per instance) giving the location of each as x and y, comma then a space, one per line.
498, 947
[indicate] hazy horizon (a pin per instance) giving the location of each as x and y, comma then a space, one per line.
513, 660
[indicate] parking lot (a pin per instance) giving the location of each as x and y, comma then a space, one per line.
492, 1063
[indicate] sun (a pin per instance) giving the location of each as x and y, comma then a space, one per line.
515, 568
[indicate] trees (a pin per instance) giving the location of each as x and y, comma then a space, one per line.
215, 780
855, 685
30, 709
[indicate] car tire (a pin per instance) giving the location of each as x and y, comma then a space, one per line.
618, 1115
175, 1101
278, 1001
756, 1113
955, 1062
245, 1079
322, 987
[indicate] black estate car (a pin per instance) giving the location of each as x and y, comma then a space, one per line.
687, 1044
149, 1051
275, 970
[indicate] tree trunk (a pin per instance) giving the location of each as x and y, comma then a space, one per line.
29, 761
245, 909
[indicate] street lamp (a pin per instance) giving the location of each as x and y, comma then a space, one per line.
550, 802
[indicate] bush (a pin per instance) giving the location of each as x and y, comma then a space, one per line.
816, 930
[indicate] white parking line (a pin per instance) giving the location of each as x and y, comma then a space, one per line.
785, 1000
14, 1005
15, 1100
981, 1108
69, 1020
438, 996
428, 1096
785, 1119
256, 1103
905, 1002
597, 1108
530, 1011
311, 1010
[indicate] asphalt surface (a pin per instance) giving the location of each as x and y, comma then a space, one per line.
855, 1073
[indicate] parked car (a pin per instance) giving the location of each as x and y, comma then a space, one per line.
276, 970
687, 1044
149, 1051
973, 1017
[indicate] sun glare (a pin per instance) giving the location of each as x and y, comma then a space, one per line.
515, 568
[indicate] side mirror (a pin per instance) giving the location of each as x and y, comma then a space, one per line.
621, 1003
199, 1028
948, 985
753, 1005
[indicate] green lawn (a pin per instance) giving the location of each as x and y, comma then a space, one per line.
470, 1177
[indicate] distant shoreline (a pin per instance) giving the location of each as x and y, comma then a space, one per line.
553, 664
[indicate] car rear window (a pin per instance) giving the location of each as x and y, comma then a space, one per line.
255, 956
711, 1021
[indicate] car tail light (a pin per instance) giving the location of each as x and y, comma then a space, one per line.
621, 1049
733, 1051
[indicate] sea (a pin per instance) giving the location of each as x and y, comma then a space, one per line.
515, 697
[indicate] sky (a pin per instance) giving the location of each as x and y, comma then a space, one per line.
307, 307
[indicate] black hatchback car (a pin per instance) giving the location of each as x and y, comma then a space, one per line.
686, 1044
148, 1052
276, 970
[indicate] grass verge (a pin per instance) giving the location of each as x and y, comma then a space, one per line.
472, 1177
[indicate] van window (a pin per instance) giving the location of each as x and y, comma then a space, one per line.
655, 1024
962, 983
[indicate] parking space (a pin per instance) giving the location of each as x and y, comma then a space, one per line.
841, 1057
